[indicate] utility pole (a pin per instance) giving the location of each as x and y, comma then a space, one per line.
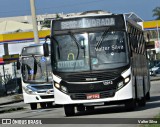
34, 21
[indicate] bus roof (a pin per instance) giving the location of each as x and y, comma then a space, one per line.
93, 20
33, 49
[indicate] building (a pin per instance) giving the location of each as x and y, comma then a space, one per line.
152, 36
40, 18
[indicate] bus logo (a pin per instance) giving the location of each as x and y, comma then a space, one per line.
91, 79
108, 82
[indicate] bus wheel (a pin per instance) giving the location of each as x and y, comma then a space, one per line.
33, 106
43, 105
148, 96
69, 110
89, 108
130, 105
80, 108
142, 102
49, 105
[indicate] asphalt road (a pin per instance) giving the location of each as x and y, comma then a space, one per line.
151, 109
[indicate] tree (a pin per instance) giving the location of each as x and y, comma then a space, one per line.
156, 13
46, 23
57, 16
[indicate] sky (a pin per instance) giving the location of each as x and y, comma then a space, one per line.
143, 8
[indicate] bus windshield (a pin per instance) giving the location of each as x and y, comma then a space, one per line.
36, 69
111, 51
94, 53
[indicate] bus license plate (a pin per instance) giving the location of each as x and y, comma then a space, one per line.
93, 96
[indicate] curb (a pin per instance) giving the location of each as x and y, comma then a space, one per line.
11, 102
11, 99
156, 79
10, 109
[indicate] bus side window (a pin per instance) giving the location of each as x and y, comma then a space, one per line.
134, 43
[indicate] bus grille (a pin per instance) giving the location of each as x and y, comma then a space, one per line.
100, 76
47, 97
83, 96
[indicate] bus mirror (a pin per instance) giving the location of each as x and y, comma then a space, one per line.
18, 65
45, 49
47, 37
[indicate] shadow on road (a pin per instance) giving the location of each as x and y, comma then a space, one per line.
154, 102
154, 98
104, 110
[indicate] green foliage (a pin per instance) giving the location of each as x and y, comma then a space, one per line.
57, 16
46, 23
156, 13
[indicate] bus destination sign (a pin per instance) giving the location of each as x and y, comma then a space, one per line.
75, 23
84, 23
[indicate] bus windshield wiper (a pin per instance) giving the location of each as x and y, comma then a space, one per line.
78, 45
35, 66
37, 63
75, 40
102, 37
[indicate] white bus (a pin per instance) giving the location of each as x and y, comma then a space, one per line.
98, 59
36, 77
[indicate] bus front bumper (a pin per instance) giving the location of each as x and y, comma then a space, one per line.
124, 93
37, 98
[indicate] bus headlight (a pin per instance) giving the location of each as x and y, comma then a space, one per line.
57, 85
123, 83
61, 87
28, 90
126, 80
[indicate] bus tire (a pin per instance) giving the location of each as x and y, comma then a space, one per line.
148, 97
69, 110
89, 108
49, 105
43, 105
142, 102
33, 106
80, 108
130, 105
